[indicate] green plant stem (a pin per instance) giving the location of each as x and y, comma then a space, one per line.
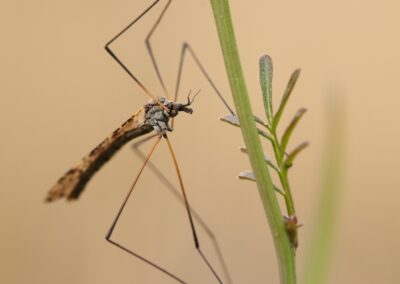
288, 194
284, 250
317, 264
282, 173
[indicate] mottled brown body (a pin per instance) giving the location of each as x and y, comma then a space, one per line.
154, 115
73, 182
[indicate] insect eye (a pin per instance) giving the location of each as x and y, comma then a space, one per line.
173, 112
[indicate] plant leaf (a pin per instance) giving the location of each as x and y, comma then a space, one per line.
233, 120
249, 175
264, 134
289, 130
260, 121
292, 155
266, 72
285, 97
266, 158
273, 212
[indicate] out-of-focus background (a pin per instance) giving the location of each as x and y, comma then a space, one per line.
61, 94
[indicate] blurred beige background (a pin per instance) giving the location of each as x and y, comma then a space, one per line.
61, 94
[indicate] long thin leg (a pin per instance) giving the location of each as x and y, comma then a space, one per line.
114, 223
184, 50
154, 62
187, 206
115, 57
169, 185
187, 48
150, 49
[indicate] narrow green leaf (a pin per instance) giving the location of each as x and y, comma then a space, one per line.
289, 130
249, 175
233, 120
260, 121
292, 155
318, 261
285, 98
264, 134
266, 85
266, 158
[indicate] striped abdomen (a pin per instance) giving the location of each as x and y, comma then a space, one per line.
73, 182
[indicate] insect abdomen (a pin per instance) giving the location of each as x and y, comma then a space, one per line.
73, 182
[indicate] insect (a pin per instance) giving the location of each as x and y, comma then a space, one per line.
156, 116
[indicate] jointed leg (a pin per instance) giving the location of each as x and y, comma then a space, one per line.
188, 210
168, 184
150, 49
187, 48
115, 57
111, 230
184, 50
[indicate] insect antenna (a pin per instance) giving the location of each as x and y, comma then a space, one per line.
191, 100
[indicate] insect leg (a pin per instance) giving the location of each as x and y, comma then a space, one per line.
116, 58
187, 48
196, 216
168, 184
114, 223
188, 210
150, 49
184, 50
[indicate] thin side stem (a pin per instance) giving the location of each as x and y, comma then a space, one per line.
282, 173
284, 250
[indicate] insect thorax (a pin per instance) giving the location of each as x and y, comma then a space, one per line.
158, 116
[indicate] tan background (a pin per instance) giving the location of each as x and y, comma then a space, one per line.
61, 94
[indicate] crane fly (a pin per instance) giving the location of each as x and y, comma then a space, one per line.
156, 115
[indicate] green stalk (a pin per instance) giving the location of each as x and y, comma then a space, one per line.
282, 173
317, 265
285, 252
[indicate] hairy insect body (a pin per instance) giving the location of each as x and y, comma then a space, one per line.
154, 115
